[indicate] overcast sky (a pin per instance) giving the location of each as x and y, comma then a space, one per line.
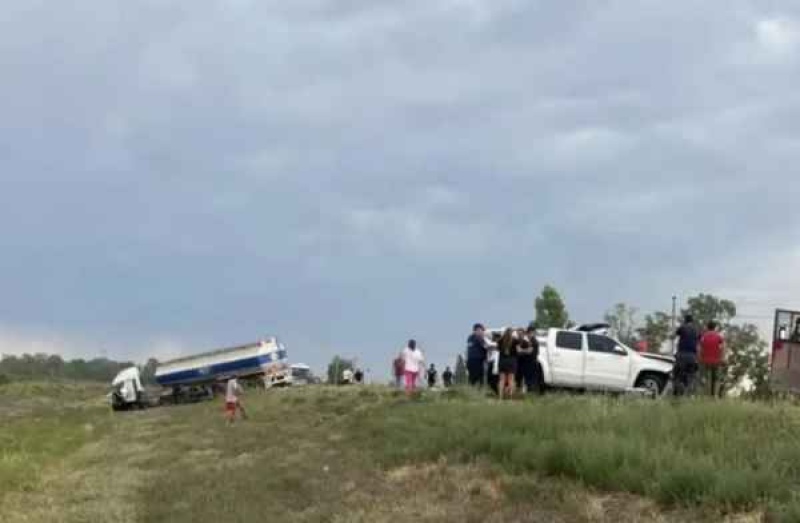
179, 175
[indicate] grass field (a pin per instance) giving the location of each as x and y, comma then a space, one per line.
369, 454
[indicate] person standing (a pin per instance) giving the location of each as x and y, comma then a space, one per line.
685, 368
398, 367
492, 369
712, 356
413, 364
447, 378
432, 373
477, 351
507, 364
527, 360
232, 402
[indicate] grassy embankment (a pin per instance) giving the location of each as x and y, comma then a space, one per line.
321, 454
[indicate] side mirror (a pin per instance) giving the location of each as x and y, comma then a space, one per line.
619, 351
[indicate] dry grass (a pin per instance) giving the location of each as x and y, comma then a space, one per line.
309, 455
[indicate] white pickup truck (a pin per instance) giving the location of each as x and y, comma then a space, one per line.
587, 360
593, 360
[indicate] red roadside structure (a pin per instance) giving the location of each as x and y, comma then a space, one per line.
785, 357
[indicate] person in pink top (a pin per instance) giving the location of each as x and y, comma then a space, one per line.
413, 363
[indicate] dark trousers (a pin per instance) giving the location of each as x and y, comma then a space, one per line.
493, 380
712, 376
526, 372
475, 371
684, 373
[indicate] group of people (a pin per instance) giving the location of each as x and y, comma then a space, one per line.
506, 362
698, 351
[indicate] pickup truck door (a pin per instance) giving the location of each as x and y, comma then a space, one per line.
607, 364
566, 357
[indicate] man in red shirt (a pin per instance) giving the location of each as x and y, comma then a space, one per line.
712, 347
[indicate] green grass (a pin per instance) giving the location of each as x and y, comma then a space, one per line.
360, 454
41, 424
725, 455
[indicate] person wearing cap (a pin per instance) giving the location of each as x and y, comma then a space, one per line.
477, 350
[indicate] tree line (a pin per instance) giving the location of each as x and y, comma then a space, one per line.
53, 366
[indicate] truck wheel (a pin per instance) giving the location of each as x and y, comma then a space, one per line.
652, 382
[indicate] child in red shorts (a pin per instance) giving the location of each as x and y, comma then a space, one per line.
232, 402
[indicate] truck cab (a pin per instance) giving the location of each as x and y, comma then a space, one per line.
126, 390
588, 359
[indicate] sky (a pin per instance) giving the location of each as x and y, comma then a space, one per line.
177, 176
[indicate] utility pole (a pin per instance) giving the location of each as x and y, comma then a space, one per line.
672, 330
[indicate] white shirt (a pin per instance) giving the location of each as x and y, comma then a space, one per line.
413, 359
232, 391
493, 358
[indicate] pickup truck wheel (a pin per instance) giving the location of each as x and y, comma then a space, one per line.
652, 382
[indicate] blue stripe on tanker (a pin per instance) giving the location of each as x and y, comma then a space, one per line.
239, 367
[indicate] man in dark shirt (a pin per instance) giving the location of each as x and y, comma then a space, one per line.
476, 355
447, 377
527, 361
432, 376
686, 359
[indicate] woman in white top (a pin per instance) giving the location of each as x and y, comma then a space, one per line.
414, 362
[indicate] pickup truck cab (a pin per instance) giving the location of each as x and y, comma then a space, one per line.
594, 361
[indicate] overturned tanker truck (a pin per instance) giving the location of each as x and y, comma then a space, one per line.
194, 378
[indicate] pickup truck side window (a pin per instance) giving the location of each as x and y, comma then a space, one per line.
569, 340
599, 343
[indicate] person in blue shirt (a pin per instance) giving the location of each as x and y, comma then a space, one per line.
477, 348
686, 366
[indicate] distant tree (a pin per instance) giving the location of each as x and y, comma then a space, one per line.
656, 331
54, 365
622, 319
460, 374
4, 379
747, 358
336, 367
705, 308
39, 366
550, 309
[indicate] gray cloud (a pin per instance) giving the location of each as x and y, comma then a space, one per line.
352, 173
